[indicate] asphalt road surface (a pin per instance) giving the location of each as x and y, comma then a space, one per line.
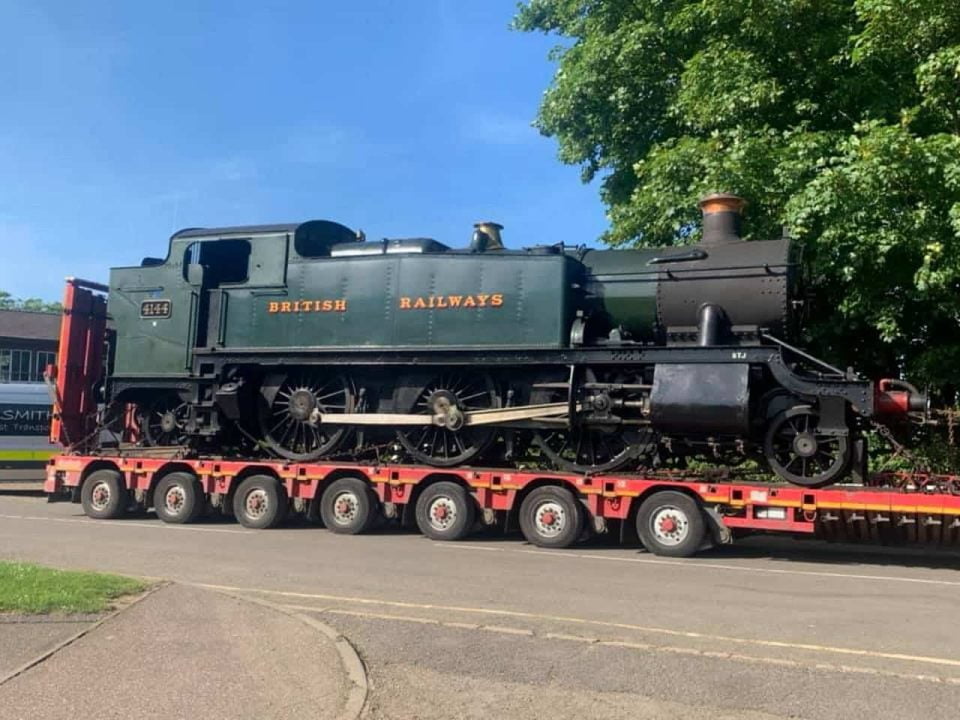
770, 628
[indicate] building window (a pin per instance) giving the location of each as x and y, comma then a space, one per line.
16, 366
43, 359
20, 366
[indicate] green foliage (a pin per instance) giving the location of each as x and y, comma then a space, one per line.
8, 302
837, 118
33, 589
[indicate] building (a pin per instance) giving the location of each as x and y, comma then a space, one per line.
28, 343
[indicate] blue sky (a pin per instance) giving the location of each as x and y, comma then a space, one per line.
122, 122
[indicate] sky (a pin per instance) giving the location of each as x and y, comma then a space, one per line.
123, 122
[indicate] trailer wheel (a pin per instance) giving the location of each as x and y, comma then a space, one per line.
177, 498
348, 506
260, 502
671, 523
104, 495
551, 517
445, 511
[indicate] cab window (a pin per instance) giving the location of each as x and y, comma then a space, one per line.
223, 261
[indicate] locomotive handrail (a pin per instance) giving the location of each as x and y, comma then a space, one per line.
801, 353
760, 266
685, 257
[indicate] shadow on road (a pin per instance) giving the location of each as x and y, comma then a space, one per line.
779, 549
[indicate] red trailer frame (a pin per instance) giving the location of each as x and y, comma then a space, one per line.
674, 513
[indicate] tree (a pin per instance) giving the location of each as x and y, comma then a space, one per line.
8, 302
839, 119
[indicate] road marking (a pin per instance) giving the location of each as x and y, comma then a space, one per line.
646, 647
413, 619
948, 662
507, 630
701, 564
158, 525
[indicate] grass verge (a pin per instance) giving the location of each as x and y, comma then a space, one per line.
26, 588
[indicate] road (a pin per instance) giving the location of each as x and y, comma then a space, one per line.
770, 628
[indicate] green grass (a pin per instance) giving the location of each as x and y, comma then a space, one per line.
33, 589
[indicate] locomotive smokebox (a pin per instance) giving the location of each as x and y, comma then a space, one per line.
722, 215
721, 291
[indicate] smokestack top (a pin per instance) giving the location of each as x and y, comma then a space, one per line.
721, 218
721, 202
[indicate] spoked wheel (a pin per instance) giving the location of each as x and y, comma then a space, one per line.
451, 395
296, 417
163, 421
590, 448
801, 453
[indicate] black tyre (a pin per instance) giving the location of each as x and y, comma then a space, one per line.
104, 495
551, 517
671, 523
445, 511
348, 506
260, 502
177, 498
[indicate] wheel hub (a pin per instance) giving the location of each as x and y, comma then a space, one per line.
446, 410
174, 500
550, 519
345, 507
805, 444
670, 525
100, 496
256, 503
168, 422
442, 513
302, 405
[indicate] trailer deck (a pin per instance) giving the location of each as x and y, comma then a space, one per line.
900, 509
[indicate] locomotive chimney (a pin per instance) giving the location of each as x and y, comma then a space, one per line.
486, 236
721, 218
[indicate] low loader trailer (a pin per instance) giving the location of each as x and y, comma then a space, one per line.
673, 513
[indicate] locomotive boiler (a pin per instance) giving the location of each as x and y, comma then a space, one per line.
309, 341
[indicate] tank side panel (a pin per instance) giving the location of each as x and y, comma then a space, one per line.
327, 303
477, 300
412, 300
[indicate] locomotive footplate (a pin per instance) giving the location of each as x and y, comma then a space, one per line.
858, 392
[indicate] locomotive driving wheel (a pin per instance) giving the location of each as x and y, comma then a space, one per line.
298, 413
799, 451
163, 421
590, 448
449, 396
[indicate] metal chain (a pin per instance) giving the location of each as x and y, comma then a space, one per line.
899, 448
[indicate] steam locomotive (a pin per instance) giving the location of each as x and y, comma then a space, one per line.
310, 341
